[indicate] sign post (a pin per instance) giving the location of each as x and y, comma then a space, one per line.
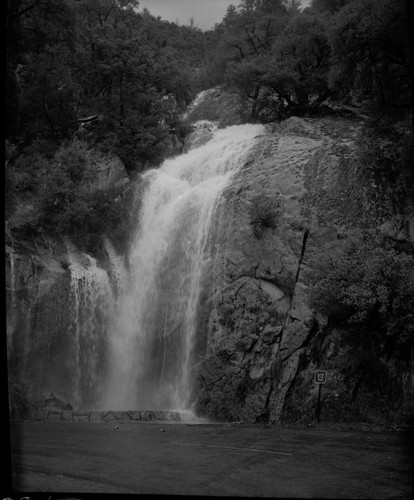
320, 378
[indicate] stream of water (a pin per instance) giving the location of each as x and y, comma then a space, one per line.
92, 304
152, 337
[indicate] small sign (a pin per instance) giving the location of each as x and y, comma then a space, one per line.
320, 376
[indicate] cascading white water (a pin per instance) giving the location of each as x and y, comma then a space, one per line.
152, 336
92, 305
12, 283
12, 291
11, 255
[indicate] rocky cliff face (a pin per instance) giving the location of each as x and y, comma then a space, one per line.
38, 291
261, 342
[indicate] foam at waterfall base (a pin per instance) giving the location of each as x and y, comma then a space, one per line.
187, 416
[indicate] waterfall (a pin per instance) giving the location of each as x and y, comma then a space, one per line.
11, 255
92, 305
152, 335
12, 294
12, 282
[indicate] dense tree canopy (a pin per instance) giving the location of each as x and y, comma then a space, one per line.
90, 77
355, 51
67, 59
372, 54
110, 74
70, 59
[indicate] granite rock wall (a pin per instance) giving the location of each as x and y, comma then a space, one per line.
288, 205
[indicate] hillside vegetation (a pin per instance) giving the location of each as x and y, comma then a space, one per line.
113, 76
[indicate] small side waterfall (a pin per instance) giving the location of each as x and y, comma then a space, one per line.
151, 343
12, 281
92, 304
11, 255
11, 310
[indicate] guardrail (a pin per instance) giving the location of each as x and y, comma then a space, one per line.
107, 416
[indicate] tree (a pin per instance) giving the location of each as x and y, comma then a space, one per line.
292, 76
354, 51
371, 55
367, 282
328, 5
293, 6
248, 77
41, 91
299, 71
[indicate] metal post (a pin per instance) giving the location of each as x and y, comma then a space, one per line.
318, 409
320, 378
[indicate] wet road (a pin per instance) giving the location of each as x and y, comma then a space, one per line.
180, 459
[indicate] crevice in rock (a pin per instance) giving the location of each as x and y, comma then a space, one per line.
250, 274
236, 293
302, 253
305, 238
274, 376
288, 381
264, 416
270, 343
272, 281
215, 381
314, 329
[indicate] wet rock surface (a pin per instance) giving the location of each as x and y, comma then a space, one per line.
285, 208
37, 291
219, 105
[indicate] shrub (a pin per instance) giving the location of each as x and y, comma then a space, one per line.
384, 166
263, 213
63, 186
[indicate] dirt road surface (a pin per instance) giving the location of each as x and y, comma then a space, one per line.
182, 459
